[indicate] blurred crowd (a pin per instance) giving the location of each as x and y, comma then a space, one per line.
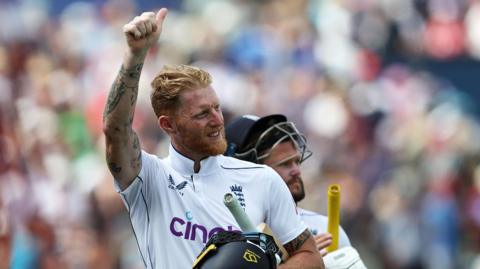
400, 140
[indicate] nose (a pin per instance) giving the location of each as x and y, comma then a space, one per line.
217, 117
295, 170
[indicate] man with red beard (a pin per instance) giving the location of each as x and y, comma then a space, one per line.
176, 203
276, 142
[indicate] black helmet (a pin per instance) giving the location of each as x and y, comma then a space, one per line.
251, 138
233, 250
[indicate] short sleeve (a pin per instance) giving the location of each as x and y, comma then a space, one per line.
140, 188
282, 216
138, 200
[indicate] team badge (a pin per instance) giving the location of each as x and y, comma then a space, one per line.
238, 191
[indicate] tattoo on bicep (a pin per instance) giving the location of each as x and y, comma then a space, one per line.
137, 161
297, 243
114, 168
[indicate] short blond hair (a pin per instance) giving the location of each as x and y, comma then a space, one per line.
171, 81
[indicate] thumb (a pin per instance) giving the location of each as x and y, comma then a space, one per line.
160, 17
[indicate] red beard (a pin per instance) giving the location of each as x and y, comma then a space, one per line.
199, 143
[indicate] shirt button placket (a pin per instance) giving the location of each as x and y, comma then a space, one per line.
195, 183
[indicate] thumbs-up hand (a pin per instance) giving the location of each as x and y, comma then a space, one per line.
144, 30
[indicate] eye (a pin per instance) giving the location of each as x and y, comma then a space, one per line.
201, 115
217, 107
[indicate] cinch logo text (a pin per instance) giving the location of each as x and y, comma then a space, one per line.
190, 231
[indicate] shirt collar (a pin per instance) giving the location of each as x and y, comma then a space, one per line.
184, 165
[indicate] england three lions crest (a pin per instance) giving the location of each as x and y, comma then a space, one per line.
238, 191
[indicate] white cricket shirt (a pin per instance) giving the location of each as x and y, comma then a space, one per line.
174, 210
319, 224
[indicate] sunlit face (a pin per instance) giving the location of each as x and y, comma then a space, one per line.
285, 160
199, 124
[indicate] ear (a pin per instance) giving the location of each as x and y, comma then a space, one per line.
166, 124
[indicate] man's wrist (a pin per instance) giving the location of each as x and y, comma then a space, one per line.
133, 58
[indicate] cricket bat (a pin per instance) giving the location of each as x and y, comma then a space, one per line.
333, 212
246, 225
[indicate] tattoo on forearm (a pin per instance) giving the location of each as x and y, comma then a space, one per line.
133, 98
296, 243
132, 73
123, 145
120, 86
116, 92
129, 122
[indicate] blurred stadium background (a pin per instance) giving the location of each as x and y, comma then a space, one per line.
385, 90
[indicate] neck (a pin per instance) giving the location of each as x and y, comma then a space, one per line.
196, 158
196, 166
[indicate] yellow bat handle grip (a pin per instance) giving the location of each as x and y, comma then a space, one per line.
333, 215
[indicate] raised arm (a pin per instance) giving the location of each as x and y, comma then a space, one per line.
123, 150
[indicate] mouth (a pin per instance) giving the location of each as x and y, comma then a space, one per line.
215, 134
293, 181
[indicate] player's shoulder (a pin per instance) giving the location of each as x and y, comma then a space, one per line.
245, 167
230, 163
309, 214
152, 157
152, 161
248, 171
